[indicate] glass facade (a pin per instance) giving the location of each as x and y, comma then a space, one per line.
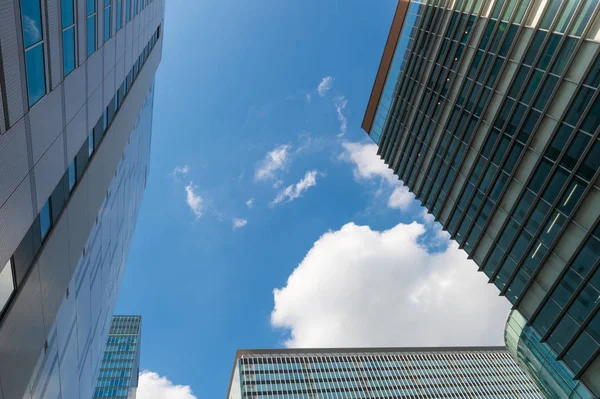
120, 366
490, 114
379, 373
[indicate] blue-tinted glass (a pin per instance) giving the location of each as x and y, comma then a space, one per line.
91, 143
587, 257
559, 142
127, 10
32, 21
544, 94
536, 218
45, 220
576, 148
72, 175
555, 184
550, 13
107, 24
106, 3
566, 287
67, 13
91, 34
563, 57
591, 163
549, 51
594, 327
571, 196
91, 6
546, 316
592, 119
68, 50
540, 175
580, 352
552, 228
578, 106
584, 303
562, 334
36, 76
119, 14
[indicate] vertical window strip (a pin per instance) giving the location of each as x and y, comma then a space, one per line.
119, 9
69, 37
33, 42
91, 26
107, 19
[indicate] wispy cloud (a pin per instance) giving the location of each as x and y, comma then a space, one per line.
239, 223
308, 97
250, 203
194, 200
325, 85
340, 104
181, 171
273, 161
294, 191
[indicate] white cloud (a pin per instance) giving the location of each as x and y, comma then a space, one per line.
194, 200
401, 198
273, 161
325, 85
367, 164
250, 203
153, 386
181, 171
296, 190
308, 97
360, 287
340, 104
239, 223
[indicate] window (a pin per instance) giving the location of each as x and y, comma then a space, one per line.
119, 14
127, 11
45, 220
72, 175
91, 144
91, 26
33, 42
68, 35
7, 284
107, 19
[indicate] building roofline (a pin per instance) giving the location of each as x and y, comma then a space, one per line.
282, 351
385, 64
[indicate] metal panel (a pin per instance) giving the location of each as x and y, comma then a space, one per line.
109, 87
79, 225
54, 271
13, 164
94, 67
21, 337
18, 210
94, 107
49, 170
75, 96
54, 28
109, 55
77, 133
46, 123
12, 51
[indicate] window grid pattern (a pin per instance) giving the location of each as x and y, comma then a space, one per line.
431, 374
107, 19
119, 367
470, 86
69, 36
91, 26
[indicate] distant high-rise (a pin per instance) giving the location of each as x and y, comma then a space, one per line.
489, 111
120, 366
424, 373
76, 104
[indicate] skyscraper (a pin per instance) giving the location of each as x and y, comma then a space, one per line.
120, 366
76, 103
379, 373
489, 112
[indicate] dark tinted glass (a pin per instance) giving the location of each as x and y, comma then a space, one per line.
563, 57
549, 51
546, 316
534, 47
576, 148
592, 119
72, 174
559, 142
580, 352
578, 106
562, 333
544, 94
90, 6
591, 163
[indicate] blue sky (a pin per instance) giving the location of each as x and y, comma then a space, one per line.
263, 101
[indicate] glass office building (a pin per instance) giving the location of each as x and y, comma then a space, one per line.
76, 104
489, 112
120, 367
488, 372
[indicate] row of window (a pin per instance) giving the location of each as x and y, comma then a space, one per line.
115, 339
107, 392
12, 275
115, 373
34, 46
112, 382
